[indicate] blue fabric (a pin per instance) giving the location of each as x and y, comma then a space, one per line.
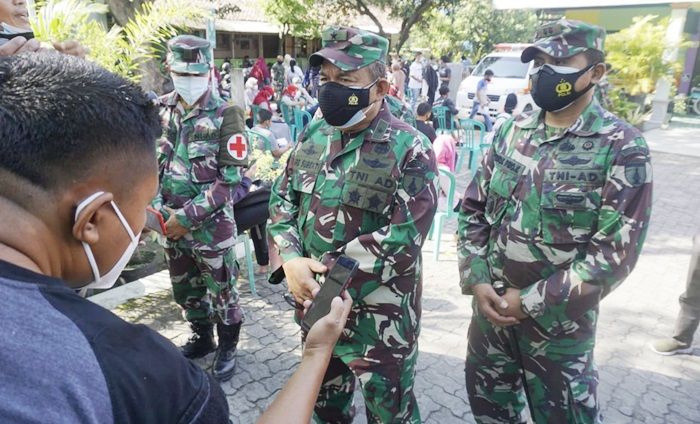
67, 360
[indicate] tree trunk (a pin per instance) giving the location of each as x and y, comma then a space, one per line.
122, 11
409, 21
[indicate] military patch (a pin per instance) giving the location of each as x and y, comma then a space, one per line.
200, 135
237, 147
587, 145
381, 148
569, 199
567, 146
636, 173
379, 130
413, 184
509, 164
574, 160
375, 163
591, 176
310, 149
374, 202
354, 197
640, 150
333, 34
353, 100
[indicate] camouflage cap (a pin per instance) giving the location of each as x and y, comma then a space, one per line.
188, 54
565, 38
350, 48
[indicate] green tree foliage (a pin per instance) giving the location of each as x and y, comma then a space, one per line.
119, 49
445, 29
306, 18
636, 54
299, 18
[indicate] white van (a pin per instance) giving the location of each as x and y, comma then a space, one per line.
510, 75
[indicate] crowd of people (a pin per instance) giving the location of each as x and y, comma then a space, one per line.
551, 223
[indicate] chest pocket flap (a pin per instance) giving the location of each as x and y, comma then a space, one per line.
504, 179
307, 165
202, 155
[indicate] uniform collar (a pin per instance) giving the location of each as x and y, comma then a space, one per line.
379, 127
589, 122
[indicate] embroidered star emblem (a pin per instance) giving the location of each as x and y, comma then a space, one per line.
354, 197
374, 202
334, 34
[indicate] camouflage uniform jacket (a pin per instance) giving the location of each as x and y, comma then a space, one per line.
563, 219
278, 75
372, 198
401, 110
198, 173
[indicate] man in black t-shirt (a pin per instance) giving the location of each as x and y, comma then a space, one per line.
423, 113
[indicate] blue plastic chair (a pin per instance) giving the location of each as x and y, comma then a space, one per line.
248, 255
254, 109
302, 118
288, 116
442, 216
471, 146
254, 136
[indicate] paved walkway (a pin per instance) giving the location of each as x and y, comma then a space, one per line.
636, 385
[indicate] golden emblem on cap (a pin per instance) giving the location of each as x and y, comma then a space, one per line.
353, 100
563, 88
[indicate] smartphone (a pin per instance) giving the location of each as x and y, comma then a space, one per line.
155, 221
337, 280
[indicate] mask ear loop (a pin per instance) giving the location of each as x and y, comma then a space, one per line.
88, 251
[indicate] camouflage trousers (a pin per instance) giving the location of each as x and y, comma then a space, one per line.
204, 284
386, 380
562, 378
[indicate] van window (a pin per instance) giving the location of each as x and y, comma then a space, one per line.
502, 67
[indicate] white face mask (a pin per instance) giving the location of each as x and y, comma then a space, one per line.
190, 87
556, 68
9, 29
107, 280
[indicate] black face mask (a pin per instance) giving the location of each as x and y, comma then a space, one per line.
554, 91
341, 105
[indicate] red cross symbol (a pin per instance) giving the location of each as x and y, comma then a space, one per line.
237, 147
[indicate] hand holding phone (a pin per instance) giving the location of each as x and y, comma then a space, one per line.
324, 334
336, 282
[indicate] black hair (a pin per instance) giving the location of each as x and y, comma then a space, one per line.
61, 116
423, 109
594, 56
292, 64
444, 90
488, 73
445, 59
511, 103
264, 115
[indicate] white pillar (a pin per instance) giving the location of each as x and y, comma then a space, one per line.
237, 88
662, 94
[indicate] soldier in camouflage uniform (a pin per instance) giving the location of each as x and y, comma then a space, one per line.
558, 211
401, 110
363, 187
278, 77
200, 157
